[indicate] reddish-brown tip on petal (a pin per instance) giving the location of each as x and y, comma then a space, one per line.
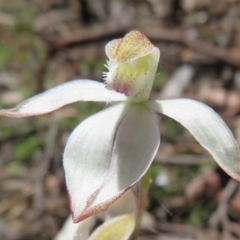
91, 211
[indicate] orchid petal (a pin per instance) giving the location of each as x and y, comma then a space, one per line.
118, 228
136, 144
57, 97
208, 129
87, 156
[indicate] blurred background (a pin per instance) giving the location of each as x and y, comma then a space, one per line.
44, 43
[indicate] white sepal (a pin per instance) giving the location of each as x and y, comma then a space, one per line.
66, 93
136, 144
87, 157
208, 129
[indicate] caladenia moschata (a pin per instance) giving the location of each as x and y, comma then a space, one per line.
109, 152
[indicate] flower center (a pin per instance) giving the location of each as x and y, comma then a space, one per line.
132, 66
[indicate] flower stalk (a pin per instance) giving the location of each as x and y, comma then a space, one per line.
143, 197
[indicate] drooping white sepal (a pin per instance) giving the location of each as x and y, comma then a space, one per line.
87, 158
136, 144
208, 129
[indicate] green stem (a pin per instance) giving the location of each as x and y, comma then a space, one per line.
144, 187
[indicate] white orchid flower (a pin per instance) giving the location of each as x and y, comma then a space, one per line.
110, 151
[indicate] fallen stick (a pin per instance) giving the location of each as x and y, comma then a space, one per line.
227, 55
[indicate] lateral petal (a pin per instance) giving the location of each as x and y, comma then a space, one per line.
136, 144
66, 93
87, 156
208, 129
